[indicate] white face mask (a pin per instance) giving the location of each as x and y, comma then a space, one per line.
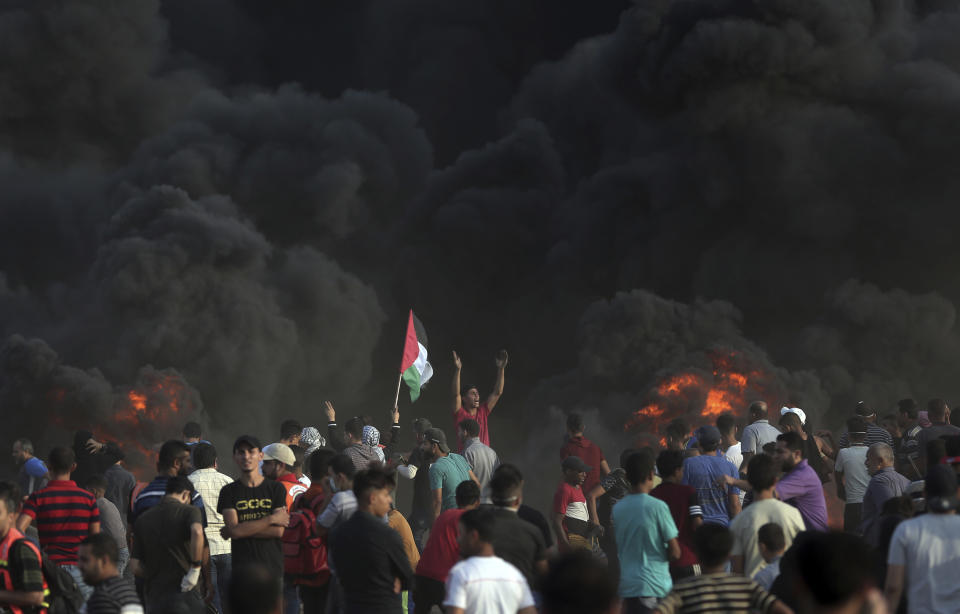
333, 484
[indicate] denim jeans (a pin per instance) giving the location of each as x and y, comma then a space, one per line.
221, 568
291, 599
74, 571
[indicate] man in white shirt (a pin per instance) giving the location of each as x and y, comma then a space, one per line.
852, 476
924, 550
208, 481
483, 583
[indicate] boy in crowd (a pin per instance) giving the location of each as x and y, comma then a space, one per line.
716, 590
570, 516
772, 544
684, 508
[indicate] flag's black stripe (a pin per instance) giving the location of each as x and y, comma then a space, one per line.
421, 331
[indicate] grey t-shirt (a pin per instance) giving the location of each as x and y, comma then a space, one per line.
111, 523
484, 461
756, 435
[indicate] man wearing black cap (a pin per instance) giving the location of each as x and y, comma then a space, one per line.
446, 472
924, 550
571, 520
718, 503
254, 510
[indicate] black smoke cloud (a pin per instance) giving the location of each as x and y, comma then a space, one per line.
611, 195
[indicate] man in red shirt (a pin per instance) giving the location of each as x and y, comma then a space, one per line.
589, 452
442, 552
684, 508
571, 520
466, 401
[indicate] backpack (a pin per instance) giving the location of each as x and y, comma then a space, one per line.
65, 596
305, 553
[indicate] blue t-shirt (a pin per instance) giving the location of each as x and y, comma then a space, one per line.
446, 474
642, 526
702, 472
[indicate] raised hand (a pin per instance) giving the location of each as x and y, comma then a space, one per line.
502, 358
329, 411
456, 362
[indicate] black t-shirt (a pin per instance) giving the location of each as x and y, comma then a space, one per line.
534, 517
518, 542
254, 504
162, 543
111, 595
421, 512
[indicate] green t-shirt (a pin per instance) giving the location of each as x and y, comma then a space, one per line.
642, 527
446, 474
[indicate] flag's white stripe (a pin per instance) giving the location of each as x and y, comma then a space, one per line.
423, 367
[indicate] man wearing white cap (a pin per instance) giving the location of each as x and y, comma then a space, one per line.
278, 462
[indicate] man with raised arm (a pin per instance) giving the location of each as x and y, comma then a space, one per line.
466, 400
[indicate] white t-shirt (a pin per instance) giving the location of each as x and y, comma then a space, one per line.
487, 585
745, 525
735, 456
850, 462
928, 547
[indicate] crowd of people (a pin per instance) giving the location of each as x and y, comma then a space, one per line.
722, 519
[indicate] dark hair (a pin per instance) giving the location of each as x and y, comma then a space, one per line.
169, 452
834, 566
178, 484
936, 450
639, 467
298, 455
369, 480
506, 484
319, 461
577, 583
790, 419
771, 535
762, 472
204, 455
758, 410
678, 428
668, 461
937, 409
712, 543
192, 429
625, 455
61, 460
726, 423
575, 423
856, 424
480, 520
468, 388
909, 407
25, 444
793, 441
10, 495
471, 427
769, 448
467, 493
95, 482
951, 445
289, 428
354, 426
254, 589
341, 463
102, 546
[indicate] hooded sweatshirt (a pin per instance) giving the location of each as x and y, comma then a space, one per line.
589, 453
361, 454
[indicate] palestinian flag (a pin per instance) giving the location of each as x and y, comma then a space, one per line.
414, 366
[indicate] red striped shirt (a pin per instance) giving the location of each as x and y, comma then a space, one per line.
63, 514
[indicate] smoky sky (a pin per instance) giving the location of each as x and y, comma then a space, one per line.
254, 195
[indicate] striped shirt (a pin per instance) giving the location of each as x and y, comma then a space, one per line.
875, 434
151, 495
208, 483
716, 593
114, 595
63, 514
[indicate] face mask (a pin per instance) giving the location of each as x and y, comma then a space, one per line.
333, 485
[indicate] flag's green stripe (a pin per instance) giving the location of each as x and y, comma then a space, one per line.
412, 378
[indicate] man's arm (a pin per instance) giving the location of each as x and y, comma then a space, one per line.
733, 504
673, 550
22, 598
334, 435
501, 361
595, 492
727, 480
604, 468
93, 528
736, 563
562, 540
136, 567
268, 527
893, 587
196, 541
23, 522
746, 461
437, 502
474, 477
457, 365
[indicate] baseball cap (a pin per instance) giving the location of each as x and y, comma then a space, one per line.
794, 410
249, 440
708, 435
280, 452
940, 486
576, 463
421, 425
864, 410
436, 436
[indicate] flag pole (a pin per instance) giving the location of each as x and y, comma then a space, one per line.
396, 399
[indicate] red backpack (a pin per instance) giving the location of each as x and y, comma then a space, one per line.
304, 553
